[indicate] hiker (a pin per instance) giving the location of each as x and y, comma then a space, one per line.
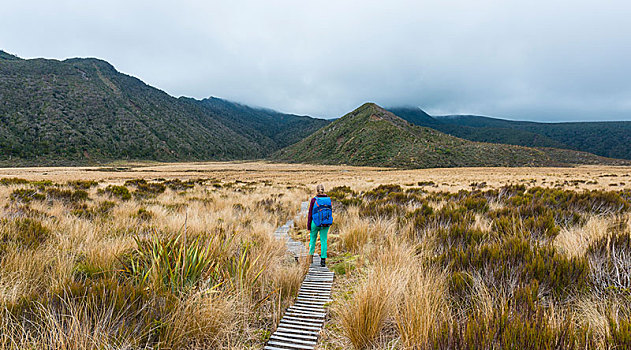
320, 219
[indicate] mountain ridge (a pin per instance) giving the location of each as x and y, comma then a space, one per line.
373, 136
607, 138
82, 111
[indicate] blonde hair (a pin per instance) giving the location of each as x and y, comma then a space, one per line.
320, 188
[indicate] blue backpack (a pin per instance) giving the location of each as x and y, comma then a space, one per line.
322, 214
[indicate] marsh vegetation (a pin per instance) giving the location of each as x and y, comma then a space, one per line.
513, 268
143, 264
182, 257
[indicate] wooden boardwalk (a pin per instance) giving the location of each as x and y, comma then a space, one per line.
302, 322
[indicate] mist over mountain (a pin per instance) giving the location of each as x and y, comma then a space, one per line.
83, 111
607, 139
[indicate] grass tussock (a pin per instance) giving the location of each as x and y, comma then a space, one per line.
162, 264
513, 267
191, 263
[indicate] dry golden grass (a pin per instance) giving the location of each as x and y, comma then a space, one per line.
82, 253
359, 178
419, 310
363, 316
389, 296
574, 240
423, 307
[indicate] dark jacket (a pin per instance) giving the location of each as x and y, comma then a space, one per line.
311, 209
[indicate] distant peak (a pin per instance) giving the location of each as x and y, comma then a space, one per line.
370, 105
373, 112
7, 56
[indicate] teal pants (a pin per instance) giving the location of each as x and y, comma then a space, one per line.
323, 231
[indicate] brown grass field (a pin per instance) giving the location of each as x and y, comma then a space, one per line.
182, 256
446, 179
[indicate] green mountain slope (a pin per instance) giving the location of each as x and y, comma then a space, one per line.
372, 136
282, 129
83, 111
607, 139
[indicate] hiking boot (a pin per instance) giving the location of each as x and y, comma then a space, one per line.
323, 262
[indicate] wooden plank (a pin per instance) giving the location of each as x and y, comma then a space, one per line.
300, 326
290, 345
305, 319
292, 340
307, 309
297, 331
294, 335
305, 313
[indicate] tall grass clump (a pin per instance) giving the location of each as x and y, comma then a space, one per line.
163, 264
423, 309
507, 268
354, 232
170, 262
370, 306
362, 317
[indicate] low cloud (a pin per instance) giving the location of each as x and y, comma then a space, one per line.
536, 60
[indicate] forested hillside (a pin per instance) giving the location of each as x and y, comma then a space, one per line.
83, 111
607, 139
372, 136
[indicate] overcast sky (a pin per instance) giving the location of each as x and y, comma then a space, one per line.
552, 60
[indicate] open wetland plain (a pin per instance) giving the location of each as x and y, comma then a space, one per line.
183, 256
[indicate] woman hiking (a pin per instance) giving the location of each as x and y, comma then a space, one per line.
319, 221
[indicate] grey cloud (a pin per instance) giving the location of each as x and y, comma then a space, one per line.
537, 60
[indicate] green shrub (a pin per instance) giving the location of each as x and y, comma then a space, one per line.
459, 235
534, 226
516, 257
120, 192
450, 214
135, 182
476, 204
102, 210
179, 185
7, 181
341, 192
382, 191
595, 201
347, 202
68, 196
149, 190
24, 232
42, 184
25, 195
87, 270
144, 214
381, 208
146, 189
460, 283
82, 184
